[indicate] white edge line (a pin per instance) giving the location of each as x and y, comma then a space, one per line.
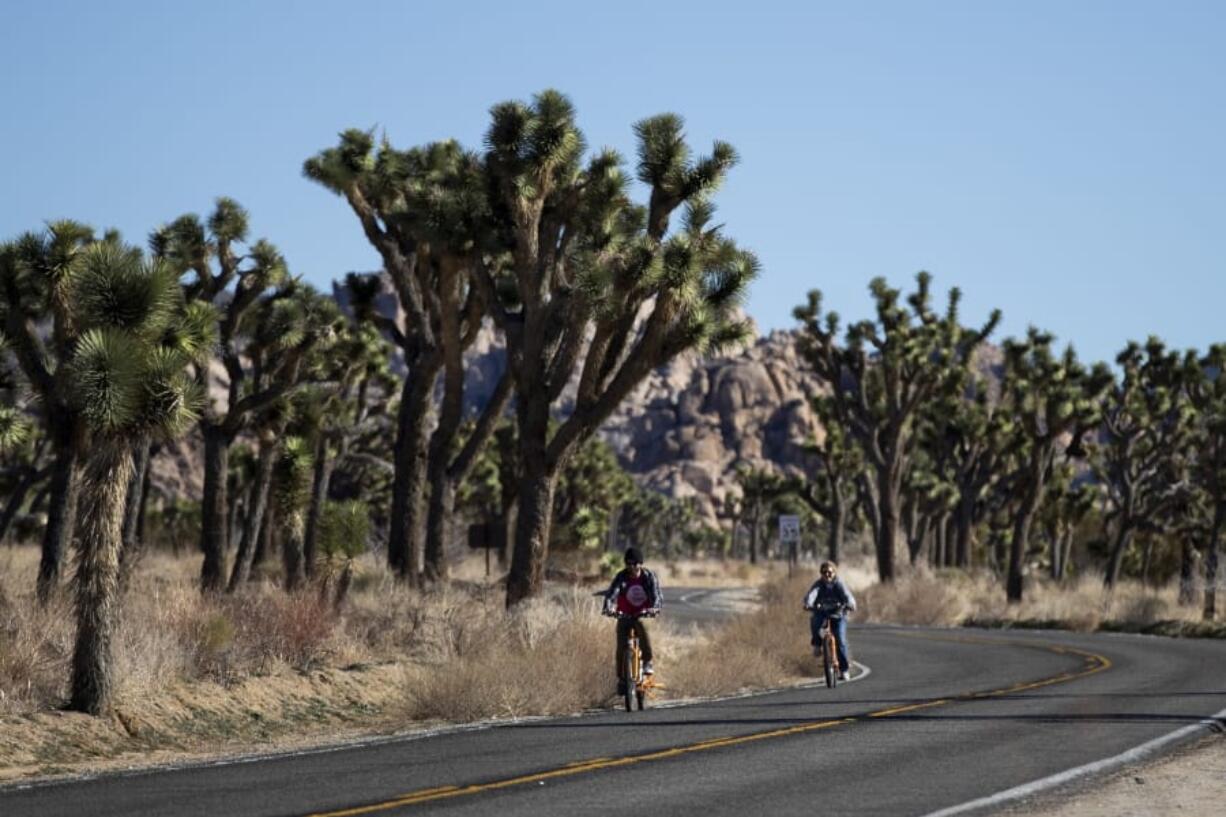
1132, 755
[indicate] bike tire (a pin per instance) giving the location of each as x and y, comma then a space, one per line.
828, 663
641, 698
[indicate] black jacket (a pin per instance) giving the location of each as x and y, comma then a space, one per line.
619, 585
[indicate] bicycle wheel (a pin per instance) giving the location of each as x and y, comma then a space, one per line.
829, 661
639, 696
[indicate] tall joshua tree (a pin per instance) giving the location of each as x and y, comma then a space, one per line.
231, 281
1207, 389
36, 275
425, 211
881, 376
127, 384
1053, 399
293, 332
1146, 417
597, 287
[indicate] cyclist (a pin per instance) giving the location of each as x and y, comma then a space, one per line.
829, 598
633, 595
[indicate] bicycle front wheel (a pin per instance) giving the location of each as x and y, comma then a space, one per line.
829, 660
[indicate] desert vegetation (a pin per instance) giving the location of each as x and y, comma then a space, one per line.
345, 459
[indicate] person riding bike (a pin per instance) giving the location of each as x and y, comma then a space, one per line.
829, 598
633, 596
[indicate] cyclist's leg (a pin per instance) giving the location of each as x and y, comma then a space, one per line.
644, 641
840, 632
623, 637
815, 630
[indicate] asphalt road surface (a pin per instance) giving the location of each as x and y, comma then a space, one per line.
941, 718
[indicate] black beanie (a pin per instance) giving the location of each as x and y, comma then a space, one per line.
633, 556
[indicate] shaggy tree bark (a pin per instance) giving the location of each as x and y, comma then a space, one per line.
104, 487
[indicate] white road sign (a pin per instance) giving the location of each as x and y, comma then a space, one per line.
789, 528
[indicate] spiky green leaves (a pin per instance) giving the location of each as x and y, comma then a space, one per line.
338, 168
344, 529
123, 376
115, 288
15, 428
292, 480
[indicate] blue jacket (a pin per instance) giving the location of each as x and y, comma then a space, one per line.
824, 592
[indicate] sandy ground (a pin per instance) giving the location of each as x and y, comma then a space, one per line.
1190, 782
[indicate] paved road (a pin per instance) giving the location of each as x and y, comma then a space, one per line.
704, 606
943, 718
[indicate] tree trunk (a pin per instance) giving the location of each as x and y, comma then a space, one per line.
1211, 564
13, 505
1021, 536
105, 484
533, 521
213, 517
438, 518
291, 555
404, 543
265, 543
966, 521
887, 533
255, 517
319, 495
1123, 538
837, 522
61, 512
134, 506
918, 533
1187, 573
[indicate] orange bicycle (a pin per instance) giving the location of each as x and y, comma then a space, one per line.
635, 685
828, 643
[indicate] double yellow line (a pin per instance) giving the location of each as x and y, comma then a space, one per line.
1093, 663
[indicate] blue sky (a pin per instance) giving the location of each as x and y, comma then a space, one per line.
1060, 160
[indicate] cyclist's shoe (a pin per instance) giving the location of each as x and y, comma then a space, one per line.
648, 669
842, 675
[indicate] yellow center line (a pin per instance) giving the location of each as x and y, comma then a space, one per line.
1094, 663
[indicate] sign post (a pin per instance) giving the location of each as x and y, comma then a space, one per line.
789, 535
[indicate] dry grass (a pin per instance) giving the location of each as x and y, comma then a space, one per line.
199, 675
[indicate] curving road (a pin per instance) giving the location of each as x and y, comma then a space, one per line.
944, 719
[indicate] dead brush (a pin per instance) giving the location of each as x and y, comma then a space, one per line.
548, 656
35, 648
250, 633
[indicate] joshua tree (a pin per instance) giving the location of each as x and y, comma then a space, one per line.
344, 534
887, 370
424, 210
230, 282
291, 327
36, 277
1051, 398
127, 384
830, 492
332, 418
759, 488
597, 287
1146, 416
1207, 390
293, 491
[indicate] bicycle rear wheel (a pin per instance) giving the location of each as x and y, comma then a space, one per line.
639, 696
829, 660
